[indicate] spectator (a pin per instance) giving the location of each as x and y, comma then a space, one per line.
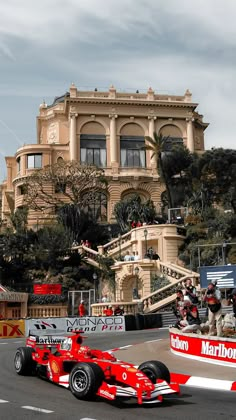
139, 224
82, 309
87, 244
190, 292
119, 311
213, 298
191, 321
232, 300
132, 257
127, 256
133, 225
108, 311
104, 299
155, 256
180, 304
150, 252
136, 257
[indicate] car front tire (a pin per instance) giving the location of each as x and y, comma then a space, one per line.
85, 379
154, 370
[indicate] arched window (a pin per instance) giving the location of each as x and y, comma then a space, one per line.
132, 142
93, 145
173, 136
96, 205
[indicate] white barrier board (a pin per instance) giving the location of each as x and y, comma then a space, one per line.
92, 324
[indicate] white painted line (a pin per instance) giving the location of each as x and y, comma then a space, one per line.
87, 418
41, 410
3, 343
19, 341
209, 383
125, 347
3, 401
153, 341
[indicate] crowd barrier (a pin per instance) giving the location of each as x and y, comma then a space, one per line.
92, 324
216, 350
12, 328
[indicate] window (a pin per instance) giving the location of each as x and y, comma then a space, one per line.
60, 187
93, 150
131, 154
96, 205
18, 164
34, 161
172, 141
22, 189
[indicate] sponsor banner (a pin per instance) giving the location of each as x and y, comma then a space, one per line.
98, 324
208, 349
47, 289
12, 329
224, 274
88, 324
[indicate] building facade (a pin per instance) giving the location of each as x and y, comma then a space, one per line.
107, 129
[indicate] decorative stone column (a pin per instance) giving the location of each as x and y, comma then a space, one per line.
73, 143
190, 140
113, 143
151, 130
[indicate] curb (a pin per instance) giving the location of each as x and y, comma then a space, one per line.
195, 381
204, 383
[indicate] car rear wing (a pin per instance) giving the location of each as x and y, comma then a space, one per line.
48, 337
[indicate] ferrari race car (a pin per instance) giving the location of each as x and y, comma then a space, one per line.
64, 359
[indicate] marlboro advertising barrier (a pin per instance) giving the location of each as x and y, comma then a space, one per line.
12, 329
221, 351
92, 324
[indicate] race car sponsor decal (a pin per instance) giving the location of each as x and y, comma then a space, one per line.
12, 329
55, 367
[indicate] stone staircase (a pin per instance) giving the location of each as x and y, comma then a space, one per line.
161, 298
166, 296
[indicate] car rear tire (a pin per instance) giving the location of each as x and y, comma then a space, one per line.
154, 370
23, 362
85, 379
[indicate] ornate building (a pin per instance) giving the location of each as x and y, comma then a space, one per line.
107, 129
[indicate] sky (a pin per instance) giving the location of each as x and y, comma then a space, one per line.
170, 45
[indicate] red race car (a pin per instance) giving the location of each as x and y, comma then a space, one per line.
64, 359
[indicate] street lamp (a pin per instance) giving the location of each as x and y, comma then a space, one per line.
145, 236
135, 292
95, 276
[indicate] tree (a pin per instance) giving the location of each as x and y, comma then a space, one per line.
56, 184
133, 209
82, 225
157, 145
217, 170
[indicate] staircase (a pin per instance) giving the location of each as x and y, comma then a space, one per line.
166, 296
161, 298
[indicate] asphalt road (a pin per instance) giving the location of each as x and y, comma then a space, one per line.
33, 398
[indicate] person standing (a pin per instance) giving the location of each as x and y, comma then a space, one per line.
213, 298
81, 309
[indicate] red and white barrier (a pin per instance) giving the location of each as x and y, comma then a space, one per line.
209, 383
217, 350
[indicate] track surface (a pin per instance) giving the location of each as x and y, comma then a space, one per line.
32, 398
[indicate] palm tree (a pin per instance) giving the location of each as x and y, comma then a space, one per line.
157, 145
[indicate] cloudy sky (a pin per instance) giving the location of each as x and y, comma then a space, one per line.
170, 45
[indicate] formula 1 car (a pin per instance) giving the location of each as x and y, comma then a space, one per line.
64, 359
